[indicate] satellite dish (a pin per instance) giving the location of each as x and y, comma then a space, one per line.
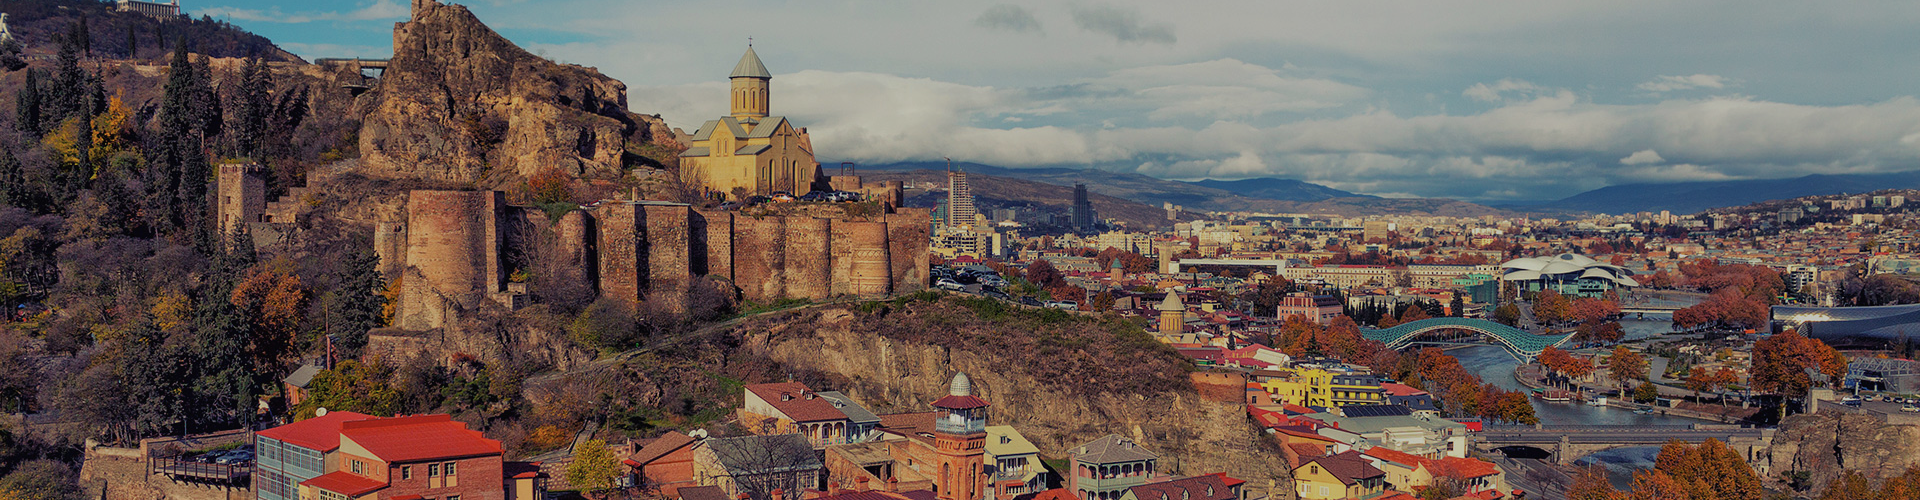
320, 412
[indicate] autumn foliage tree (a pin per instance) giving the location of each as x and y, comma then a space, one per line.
1552, 308
1707, 471
275, 301
1625, 366
1781, 362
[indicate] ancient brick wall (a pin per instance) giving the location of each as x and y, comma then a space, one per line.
622, 251
759, 257
669, 254
808, 257
243, 195
908, 230
575, 243
453, 238
713, 242
390, 243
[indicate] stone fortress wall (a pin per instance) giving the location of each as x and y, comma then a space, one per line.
450, 252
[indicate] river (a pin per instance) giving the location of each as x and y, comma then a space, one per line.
1494, 365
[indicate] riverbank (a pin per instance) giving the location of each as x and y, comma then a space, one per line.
1528, 376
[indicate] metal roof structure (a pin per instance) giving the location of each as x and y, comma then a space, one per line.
1565, 267
750, 66
1522, 344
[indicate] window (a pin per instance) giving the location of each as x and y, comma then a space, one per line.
448, 469
453, 497
433, 470
358, 468
406, 472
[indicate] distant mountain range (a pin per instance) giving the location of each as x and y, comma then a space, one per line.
1695, 197
1255, 195
1278, 189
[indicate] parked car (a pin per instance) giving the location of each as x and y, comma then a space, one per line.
782, 196
949, 285
1030, 301
1909, 408
1063, 304
235, 458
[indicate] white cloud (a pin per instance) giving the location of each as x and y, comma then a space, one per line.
1688, 82
1498, 91
379, 9
1642, 157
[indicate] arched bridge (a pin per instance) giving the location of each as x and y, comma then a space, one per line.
1569, 443
1522, 344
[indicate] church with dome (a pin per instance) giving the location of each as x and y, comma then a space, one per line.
750, 151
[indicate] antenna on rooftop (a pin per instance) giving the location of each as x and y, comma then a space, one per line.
949, 163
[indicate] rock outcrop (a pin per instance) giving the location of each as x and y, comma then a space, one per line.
1829, 443
1194, 435
459, 105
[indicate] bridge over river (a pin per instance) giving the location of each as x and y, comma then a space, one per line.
1522, 344
1569, 443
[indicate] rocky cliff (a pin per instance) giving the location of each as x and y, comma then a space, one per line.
1054, 409
1829, 443
461, 105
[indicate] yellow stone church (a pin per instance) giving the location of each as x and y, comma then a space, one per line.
748, 152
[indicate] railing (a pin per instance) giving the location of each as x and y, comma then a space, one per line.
186, 469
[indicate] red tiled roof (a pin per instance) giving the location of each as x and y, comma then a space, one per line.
797, 401
1400, 389
952, 402
1307, 450
344, 483
660, 447
320, 433
416, 438
1407, 459
1466, 468
1207, 487
1347, 466
521, 470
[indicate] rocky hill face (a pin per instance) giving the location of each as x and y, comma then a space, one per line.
1828, 444
462, 105
1056, 394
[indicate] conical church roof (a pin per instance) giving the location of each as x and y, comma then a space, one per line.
750, 66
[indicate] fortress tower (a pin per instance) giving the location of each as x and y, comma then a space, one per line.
960, 434
750, 151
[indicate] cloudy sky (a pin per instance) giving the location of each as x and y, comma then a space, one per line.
1477, 100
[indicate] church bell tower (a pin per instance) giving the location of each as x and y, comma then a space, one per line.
960, 435
750, 79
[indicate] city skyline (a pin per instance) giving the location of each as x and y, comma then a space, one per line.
1478, 101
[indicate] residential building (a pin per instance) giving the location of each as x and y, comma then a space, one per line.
757, 466
362, 457
1015, 467
1406, 472
1317, 308
1291, 391
288, 455
664, 465
1215, 486
1417, 400
1328, 389
1340, 476
1426, 436
861, 423
1106, 467
1082, 211
790, 407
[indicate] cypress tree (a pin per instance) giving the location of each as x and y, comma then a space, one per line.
12, 179
28, 106
357, 302
133, 44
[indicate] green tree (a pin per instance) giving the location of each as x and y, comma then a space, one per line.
593, 467
28, 105
1507, 314
357, 302
351, 386
40, 480
1646, 393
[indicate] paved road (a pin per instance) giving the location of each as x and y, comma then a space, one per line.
1540, 479
1607, 434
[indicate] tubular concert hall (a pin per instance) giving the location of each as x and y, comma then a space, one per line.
1568, 274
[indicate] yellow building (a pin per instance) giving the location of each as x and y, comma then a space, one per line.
1286, 391
750, 152
1341, 476
1328, 389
